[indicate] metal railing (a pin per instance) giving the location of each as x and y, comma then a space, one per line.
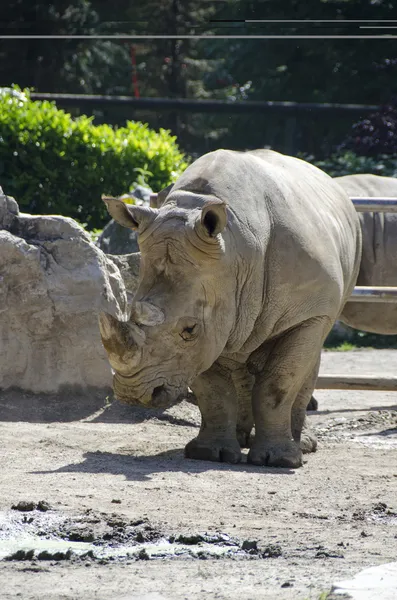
205, 106
375, 204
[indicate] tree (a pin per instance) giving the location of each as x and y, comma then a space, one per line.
328, 70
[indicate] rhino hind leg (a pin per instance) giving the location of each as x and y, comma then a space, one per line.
243, 383
284, 381
217, 401
301, 431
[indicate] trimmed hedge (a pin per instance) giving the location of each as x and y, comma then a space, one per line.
54, 164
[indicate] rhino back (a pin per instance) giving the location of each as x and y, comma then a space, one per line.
368, 185
379, 255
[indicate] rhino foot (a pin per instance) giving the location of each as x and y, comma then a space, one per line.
284, 454
219, 450
244, 438
313, 404
308, 442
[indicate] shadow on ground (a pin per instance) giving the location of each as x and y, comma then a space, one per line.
352, 410
73, 404
384, 433
143, 467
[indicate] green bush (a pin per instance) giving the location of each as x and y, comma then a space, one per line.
349, 163
54, 164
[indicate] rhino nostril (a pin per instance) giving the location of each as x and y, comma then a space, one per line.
158, 391
160, 397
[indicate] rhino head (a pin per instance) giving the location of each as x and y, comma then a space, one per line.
180, 317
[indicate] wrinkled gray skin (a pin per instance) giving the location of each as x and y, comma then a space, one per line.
244, 269
379, 257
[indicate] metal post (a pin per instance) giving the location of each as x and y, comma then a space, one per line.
374, 294
375, 204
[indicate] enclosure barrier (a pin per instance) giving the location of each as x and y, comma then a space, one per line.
375, 204
371, 383
363, 293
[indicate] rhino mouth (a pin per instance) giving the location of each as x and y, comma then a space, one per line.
161, 396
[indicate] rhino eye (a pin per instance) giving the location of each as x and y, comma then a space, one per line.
188, 333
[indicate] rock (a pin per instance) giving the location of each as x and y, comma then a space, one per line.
116, 239
249, 545
43, 506
53, 282
8, 210
128, 265
24, 506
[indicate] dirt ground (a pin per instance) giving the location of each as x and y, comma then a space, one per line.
113, 510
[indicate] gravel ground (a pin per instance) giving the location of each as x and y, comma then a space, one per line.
115, 481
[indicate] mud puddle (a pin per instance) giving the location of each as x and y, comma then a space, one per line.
377, 429
27, 532
380, 514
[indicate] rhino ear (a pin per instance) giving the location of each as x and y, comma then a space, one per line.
128, 215
156, 200
214, 216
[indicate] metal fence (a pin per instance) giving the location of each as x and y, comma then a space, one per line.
204, 125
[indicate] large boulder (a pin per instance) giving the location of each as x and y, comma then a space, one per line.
116, 239
53, 282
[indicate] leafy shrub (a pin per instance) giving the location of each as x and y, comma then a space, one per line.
349, 163
376, 134
53, 163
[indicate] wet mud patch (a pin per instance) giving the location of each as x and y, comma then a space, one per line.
379, 513
29, 533
374, 429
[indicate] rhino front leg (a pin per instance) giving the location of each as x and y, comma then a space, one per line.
281, 372
217, 401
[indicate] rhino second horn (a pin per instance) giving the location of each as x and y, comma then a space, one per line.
145, 313
137, 334
123, 332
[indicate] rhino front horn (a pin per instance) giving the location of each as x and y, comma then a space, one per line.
107, 325
145, 313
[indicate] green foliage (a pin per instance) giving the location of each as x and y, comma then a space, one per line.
308, 70
344, 347
53, 163
341, 70
354, 339
349, 163
41, 63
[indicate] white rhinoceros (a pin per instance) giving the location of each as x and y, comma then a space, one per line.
244, 269
379, 255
